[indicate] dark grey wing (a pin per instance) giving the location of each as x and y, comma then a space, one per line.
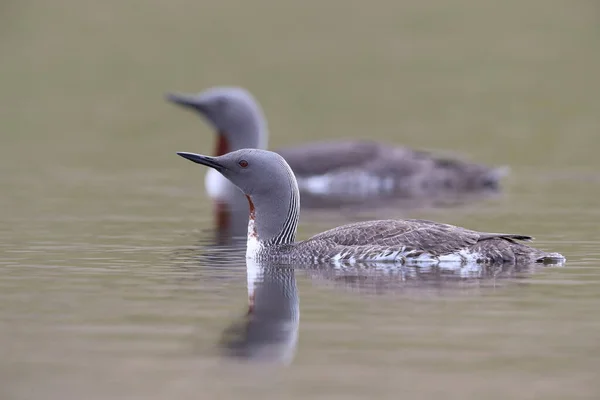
412, 167
318, 158
464, 175
423, 235
413, 172
434, 173
508, 236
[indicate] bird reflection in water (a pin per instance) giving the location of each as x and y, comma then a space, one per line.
446, 279
269, 329
231, 220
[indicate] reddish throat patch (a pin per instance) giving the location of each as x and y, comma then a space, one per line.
252, 218
222, 215
222, 145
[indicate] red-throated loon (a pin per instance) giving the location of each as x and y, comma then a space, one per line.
342, 171
271, 189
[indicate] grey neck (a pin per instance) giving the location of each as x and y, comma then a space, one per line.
277, 211
250, 133
244, 125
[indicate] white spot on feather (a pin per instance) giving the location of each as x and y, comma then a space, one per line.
462, 256
352, 183
318, 185
402, 255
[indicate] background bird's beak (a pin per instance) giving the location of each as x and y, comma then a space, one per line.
204, 160
185, 100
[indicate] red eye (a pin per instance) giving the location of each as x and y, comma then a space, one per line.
243, 163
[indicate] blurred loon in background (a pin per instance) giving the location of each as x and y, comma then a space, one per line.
330, 173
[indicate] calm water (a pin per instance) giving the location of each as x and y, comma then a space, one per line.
112, 284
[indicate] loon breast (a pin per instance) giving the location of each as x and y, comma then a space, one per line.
220, 188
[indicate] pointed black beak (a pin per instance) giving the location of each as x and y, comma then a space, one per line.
185, 100
204, 160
